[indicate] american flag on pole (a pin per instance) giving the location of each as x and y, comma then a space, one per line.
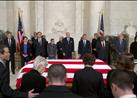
20, 32
71, 65
101, 23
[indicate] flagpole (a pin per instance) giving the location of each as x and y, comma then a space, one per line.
102, 21
98, 29
17, 46
20, 13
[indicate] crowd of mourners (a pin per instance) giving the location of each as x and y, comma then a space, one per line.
87, 82
65, 48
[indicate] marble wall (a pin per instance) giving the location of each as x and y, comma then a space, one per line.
3, 15
122, 13
53, 18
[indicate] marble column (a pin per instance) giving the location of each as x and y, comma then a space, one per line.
3, 16
79, 17
95, 8
11, 17
78, 24
39, 16
25, 12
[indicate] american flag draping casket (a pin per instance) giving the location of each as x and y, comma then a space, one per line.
71, 65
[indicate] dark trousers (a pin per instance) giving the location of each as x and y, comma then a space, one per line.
7, 65
68, 55
60, 55
12, 59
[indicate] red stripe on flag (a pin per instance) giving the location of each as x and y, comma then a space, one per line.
26, 70
56, 62
69, 70
74, 63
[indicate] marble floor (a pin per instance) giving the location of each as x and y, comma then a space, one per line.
13, 80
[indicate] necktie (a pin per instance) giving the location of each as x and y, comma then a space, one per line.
40, 41
9, 41
103, 44
120, 42
84, 43
68, 40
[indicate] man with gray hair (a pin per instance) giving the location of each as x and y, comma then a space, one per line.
56, 81
33, 79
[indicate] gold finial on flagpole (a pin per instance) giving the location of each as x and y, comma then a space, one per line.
20, 10
102, 11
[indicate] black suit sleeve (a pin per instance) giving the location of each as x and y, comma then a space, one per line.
4, 86
14, 45
63, 45
101, 89
30, 80
131, 48
79, 48
88, 47
72, 45
97, 46
74, 84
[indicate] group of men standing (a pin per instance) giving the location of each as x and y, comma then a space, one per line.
64, 48
40, 46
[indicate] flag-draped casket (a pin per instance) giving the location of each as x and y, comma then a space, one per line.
71, 65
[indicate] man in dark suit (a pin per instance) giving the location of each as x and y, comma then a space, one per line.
121, 45
94, 42
38, 82
60, 48
11, 44
41, 46
103, 49
5, 90
84, 46
68, 46
33, 39
56, 79
87, 82
121, 84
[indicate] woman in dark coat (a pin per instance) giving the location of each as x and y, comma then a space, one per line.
34, 79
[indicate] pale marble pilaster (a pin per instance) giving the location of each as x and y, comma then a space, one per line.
11, 17
39, 16
79, 17
3, 15
78, 23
